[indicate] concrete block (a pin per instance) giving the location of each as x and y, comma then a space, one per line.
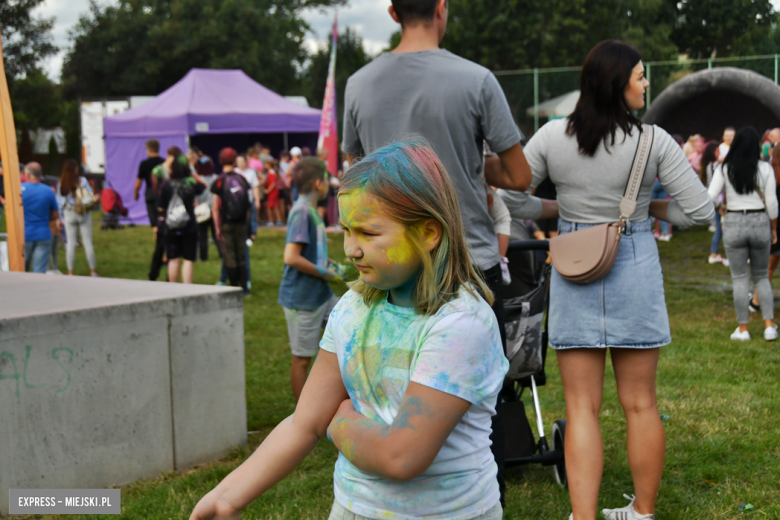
205, 348
103, 381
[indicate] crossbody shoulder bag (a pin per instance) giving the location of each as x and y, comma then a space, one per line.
587, 255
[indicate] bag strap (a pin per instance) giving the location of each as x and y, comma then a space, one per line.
641, 157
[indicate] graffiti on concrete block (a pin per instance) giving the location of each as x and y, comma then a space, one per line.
9, 370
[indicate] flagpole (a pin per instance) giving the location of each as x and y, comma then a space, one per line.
14, 213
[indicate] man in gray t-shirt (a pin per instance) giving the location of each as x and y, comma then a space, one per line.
455, 104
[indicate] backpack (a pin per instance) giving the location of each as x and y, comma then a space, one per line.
83, 200
176, 216
235, 197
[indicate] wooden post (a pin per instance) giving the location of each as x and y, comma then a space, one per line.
14, 213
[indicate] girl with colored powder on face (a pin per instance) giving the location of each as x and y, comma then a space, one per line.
410, 364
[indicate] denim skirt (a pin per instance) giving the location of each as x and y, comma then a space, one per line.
625, 309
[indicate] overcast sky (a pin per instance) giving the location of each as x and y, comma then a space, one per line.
368, 17
365, 16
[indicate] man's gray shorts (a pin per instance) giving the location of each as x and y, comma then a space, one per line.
304, 327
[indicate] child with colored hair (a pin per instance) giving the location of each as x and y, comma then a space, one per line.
410, 365
304, 293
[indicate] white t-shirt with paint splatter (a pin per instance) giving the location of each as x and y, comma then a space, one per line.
458, 350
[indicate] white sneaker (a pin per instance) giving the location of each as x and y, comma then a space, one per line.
715, 259
742, 336
770, 333
711, 228
626, 513
726, 262
665, 238
249, 242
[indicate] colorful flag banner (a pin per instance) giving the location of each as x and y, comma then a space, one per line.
329, 135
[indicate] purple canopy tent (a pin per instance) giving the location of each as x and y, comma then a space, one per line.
204, 102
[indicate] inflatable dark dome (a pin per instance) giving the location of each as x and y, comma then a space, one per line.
708, 101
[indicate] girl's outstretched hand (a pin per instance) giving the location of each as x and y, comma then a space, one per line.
214, 506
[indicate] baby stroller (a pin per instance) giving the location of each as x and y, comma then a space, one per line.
111, 202
526, 301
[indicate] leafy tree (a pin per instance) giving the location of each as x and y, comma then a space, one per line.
37, 100
135, 47
37, 103
517, 34
710, 28
26, 38
350, 56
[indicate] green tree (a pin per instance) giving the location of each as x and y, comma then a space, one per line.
350, 56
135, 47
37, 100
37, 103
711, 28
517, 34
26, 38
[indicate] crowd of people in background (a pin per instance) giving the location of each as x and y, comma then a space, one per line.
57, 212
198, 181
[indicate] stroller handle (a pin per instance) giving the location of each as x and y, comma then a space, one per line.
529, 245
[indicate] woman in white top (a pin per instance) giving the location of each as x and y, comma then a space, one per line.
750, 226
70, 181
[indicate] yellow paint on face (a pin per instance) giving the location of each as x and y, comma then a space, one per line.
376, 242
401, 253
355, 207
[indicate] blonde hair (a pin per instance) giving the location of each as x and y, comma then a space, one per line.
412, 186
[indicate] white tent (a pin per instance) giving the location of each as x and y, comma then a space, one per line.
561, 106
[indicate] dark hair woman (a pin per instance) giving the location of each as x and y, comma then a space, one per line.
709, 161
177, 192
70, 189
589, 157
751, 228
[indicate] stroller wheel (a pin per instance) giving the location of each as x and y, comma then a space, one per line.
558, 435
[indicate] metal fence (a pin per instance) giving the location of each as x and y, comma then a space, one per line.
527, 89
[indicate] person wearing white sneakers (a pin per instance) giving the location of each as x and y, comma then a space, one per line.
774, 252
589, 157
751, 226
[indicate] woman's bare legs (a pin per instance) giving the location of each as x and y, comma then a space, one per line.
173, 270
582, 372
187, 271
635, 371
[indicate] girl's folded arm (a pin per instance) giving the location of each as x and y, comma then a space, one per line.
404, 449
286, 446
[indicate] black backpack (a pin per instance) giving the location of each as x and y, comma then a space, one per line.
235, 197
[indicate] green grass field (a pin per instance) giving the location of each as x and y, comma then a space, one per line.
721, 396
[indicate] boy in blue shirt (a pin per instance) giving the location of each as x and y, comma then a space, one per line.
41, 215
304, 293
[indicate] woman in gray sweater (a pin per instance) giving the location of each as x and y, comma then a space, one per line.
588, 157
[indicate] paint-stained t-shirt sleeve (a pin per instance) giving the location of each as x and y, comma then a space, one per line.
462, 356
327, 342
298, 226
